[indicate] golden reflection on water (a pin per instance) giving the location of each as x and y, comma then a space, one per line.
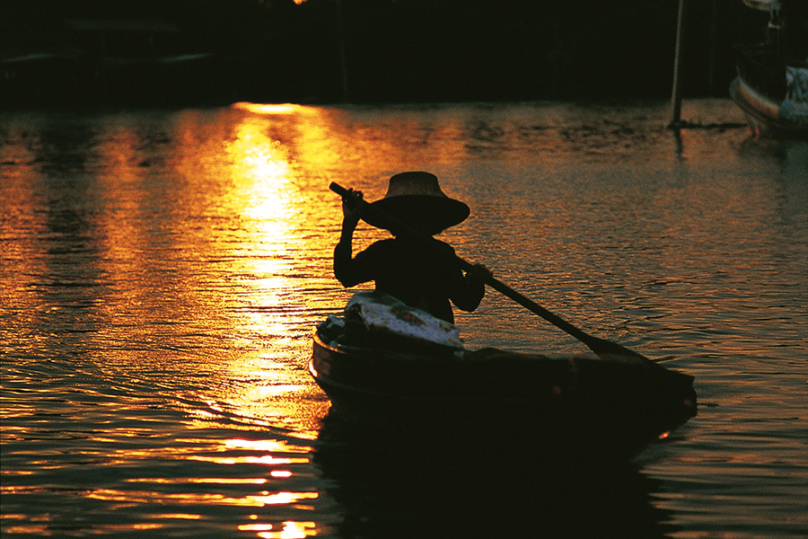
289, 530
268, 460
269, 108
261, 499
201, 480
196, 491
286, 530
261, 178
199, 449
217, 235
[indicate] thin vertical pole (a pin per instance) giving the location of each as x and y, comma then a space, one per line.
713, 24
341, 38
676, 99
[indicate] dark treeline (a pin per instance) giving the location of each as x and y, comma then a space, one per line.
180, 52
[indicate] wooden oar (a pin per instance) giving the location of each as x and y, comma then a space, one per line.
601, 347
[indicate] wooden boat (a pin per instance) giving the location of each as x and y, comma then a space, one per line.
772, 83
386, 385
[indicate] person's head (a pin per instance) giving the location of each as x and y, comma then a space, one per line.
416, 199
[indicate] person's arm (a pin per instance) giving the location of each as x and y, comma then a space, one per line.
469, 289
344, 268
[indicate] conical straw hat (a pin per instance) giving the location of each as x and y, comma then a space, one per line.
415, 198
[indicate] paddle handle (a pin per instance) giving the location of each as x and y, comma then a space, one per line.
338, 189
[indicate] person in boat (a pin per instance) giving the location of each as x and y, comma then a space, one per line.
422, 277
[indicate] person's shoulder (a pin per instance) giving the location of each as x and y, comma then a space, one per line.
429, 248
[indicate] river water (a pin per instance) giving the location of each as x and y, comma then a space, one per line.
162, 272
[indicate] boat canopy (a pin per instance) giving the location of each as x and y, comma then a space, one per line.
762, 5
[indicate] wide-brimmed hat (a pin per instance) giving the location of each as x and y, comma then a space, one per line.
415, 198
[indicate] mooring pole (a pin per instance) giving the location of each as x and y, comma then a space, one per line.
676, 99
341, 37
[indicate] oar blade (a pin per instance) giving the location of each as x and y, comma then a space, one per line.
611, 350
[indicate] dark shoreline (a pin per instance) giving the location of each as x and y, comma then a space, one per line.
184, 53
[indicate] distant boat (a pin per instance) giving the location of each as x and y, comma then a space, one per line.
772, 83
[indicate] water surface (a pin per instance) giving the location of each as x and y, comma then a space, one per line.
162, 273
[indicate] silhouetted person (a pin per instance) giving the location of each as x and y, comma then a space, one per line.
421, 277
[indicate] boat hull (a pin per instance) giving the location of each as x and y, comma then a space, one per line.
767, 117
570, 406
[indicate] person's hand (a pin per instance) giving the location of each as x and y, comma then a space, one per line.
478, 274
350, 207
